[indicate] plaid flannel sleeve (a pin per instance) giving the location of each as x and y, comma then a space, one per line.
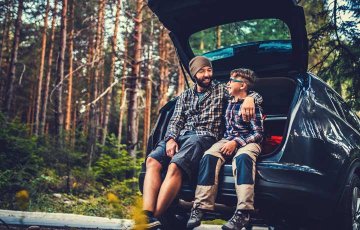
257, 97
177, 120
240, 141
256, 134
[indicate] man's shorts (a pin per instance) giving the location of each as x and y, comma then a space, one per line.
191, 149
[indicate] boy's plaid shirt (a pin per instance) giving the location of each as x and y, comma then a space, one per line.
240, 131
203, 115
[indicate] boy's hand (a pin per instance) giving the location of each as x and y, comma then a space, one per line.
171, 148
248, 109
228, 148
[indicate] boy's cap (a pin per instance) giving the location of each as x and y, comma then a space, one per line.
197, 63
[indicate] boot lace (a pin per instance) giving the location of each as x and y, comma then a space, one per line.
238, 217
195, 212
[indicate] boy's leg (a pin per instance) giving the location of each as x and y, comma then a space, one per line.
244, 169
207, 185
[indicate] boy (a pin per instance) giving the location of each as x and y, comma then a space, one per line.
242, 141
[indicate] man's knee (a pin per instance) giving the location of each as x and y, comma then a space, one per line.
152, 163
174, 170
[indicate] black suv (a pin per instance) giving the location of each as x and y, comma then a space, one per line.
308, 172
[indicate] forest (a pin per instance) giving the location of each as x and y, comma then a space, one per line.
81, 85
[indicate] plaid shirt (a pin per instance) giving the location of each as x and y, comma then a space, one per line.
203, 115
240, 131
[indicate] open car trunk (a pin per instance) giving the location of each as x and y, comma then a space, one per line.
279, 94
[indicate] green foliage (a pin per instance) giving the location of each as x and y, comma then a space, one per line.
19, 162
114, 163
33, 169
239, 32
334, 40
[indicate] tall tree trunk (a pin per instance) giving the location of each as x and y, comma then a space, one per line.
4, 42
218, 37
132, 131
5, 34
101, 76
147, 114
112, 72
181, 81
70, 80
11, 73
202, 44
41, 70
90, 59
48, 73
59, 116
123, 90
94, 111
164, 69
29, 114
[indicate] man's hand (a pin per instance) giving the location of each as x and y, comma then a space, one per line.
171, 147
248, 109
228, 148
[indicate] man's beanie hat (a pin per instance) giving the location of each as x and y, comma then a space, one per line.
197, 63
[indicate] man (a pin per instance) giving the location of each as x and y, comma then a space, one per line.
241, 141
193, 128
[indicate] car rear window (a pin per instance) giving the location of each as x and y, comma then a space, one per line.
230, 39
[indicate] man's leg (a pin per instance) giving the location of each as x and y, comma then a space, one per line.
169, 189
155, 163
184, 162
152, 183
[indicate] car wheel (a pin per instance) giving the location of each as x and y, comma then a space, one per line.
355, 204
350, 219
173, 221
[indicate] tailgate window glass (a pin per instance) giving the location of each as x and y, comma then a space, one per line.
230, 39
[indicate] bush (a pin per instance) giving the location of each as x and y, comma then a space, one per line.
115, 164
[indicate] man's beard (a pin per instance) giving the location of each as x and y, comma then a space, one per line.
203, 85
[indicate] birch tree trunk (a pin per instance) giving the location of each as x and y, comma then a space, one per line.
12, 67
41, 70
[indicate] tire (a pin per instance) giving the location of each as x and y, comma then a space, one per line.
172, 221
350, 215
